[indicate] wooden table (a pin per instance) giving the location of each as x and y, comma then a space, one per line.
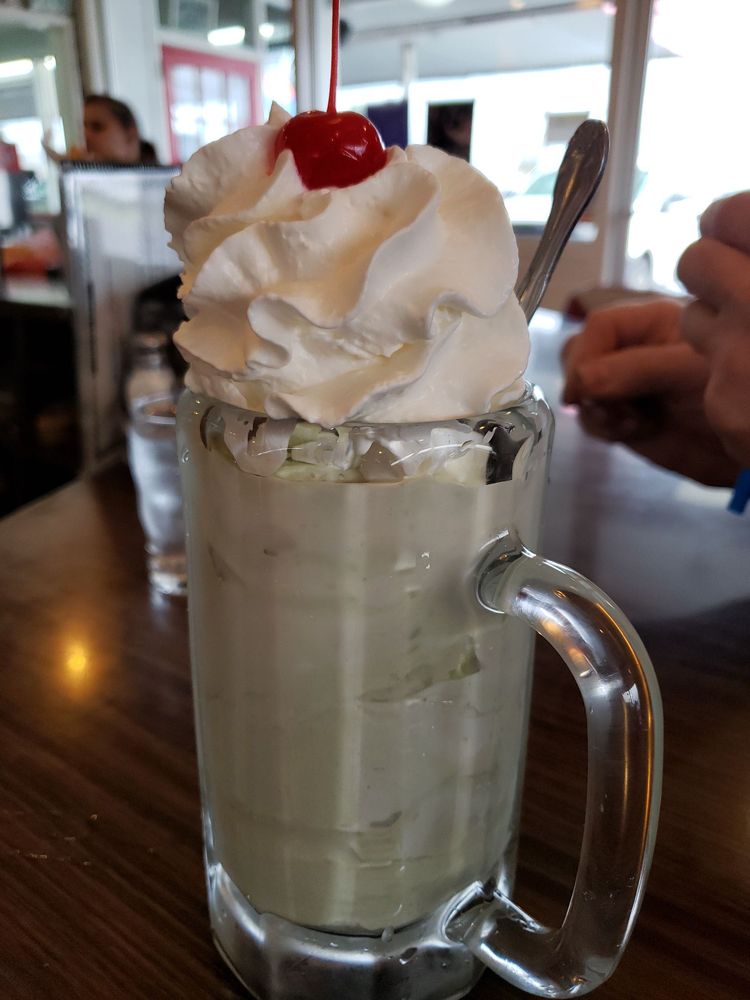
102, 892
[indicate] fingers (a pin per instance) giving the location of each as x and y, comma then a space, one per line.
628, 422
724, 339
717, 270
641, 371
728, 220
698, 325
609, 331
51, 153
716, 273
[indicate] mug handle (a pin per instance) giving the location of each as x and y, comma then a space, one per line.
623, 708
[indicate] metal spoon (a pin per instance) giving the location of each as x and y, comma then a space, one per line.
580, 172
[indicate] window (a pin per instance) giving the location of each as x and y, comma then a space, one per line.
693, 145
530, 77
208, 96
32, 94
232, 28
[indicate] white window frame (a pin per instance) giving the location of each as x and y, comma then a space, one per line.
630, 46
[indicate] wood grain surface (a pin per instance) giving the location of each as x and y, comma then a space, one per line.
102, 893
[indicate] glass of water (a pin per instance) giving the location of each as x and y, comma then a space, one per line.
152, 454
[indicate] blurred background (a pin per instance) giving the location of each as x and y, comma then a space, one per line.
503, 83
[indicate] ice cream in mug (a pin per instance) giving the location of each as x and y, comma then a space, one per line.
357, 432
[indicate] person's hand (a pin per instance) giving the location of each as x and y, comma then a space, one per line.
637, 382
74, 153
716, 270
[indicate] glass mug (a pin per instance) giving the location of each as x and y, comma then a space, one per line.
362, 660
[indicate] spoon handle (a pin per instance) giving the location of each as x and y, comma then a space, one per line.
580, 172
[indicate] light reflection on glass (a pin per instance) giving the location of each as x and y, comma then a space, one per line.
77, 663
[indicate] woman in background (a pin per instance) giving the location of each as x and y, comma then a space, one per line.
111, 135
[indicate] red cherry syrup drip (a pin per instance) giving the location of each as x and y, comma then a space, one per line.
332, 149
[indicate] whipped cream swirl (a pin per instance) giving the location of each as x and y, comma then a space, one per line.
387, 301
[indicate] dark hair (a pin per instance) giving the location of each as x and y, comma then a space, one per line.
118, 109
148, 154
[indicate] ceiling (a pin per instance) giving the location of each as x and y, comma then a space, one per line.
376, 13
19, 42
472, 36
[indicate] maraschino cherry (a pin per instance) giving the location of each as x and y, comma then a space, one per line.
332, 149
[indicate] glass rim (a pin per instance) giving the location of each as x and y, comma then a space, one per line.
159, 409
530, 392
